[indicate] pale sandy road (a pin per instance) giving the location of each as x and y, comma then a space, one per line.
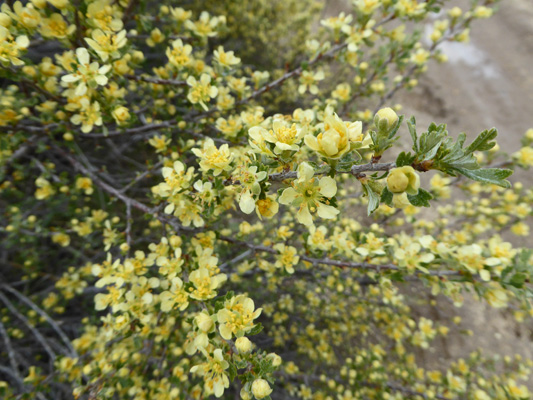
489, 81
486, 83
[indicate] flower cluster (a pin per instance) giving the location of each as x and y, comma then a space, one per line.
188, 190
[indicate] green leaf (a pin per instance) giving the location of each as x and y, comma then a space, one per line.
421, 199
232, 371
386, 197
518, 280
483, 141
256, 329
404, 159
373, 198
493, 176
241, 364
411, 124
396, 128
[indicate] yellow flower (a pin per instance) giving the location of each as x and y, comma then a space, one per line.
342, 92
267, 207
159, 143
88, 74
44, 189
56, 27
420, 57
337, 23
237, 317
525, 156
496, 295
175, 298
367, 6
105, 16
107, 44
225, 58
27, 16
285, 138
179, 55
440, 186
204, 284
218, 160
88, 116
121, 115
9, 116
205, 26
520, 229
176, 179
85, 184
455, 12
201, 91
482, 12
516, 391
410, 257
261, 388
61, 239
287, 258
179, 14
215, 379
400, 200
310, 194
411, 8
229, 127
10, 49
337, 138
317, 238
308, 81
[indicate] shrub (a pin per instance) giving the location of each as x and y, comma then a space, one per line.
217, 198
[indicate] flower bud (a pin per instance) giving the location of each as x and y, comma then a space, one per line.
276, 360
243, 344
121, 114
261, 388
60, 4
5, 20
403, 179
39, 3
245, 395
400, 200
385, 119
455, 12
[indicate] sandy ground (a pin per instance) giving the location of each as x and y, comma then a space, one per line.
487, 82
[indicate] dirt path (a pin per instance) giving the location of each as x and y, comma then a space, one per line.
487, 82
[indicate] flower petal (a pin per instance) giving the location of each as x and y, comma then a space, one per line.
326, 212
328, 186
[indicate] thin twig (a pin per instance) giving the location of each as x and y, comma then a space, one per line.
158, 81
43, 314
40, 338
9, 350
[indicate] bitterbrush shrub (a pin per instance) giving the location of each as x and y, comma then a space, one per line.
218, 199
